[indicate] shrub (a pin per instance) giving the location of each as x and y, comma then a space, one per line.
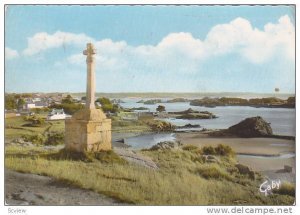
208, 150
55, 138
221, 150
35, 139
286, 188
224, 150
190, 147
34, 121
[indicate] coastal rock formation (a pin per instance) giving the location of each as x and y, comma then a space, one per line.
151, 101
166, 145
192, 114
178, 100
188, 126
252, 127
245, 170
270, 102
161, 126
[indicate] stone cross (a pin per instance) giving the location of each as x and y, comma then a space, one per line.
90, 63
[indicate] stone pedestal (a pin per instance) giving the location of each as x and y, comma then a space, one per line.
88, 130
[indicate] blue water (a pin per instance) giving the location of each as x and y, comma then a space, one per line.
282, 120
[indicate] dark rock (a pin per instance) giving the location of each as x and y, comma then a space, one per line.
252, 127
189, 126
193, 114
177, 100
243, 169
288, 168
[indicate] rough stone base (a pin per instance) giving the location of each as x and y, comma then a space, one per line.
88, 130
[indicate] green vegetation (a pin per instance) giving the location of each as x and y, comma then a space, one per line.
213, 171
37, 139
16, 127
221, 149
69, 105
107, 106
182, 178
55, 138
34, 121
190, 147
10, 102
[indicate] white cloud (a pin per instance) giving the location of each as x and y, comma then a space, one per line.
257, 46
10, 53
43, 41
182, 50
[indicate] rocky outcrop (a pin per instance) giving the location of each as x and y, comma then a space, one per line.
192, 114
188, 126
166, 145
245, 170
270, 102
178, 100
251, 127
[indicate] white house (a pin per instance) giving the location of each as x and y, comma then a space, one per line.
31, 105
56, 114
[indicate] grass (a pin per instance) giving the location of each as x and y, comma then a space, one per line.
14, 127
181, 179
213, 171
286, 188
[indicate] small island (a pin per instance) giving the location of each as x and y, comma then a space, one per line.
270, 102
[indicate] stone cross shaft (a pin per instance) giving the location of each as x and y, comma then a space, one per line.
91, 86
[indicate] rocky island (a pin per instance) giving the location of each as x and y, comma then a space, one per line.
192, 114
270, 102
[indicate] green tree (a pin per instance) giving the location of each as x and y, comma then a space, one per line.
107, 106
67, 100
21, 102
10, 102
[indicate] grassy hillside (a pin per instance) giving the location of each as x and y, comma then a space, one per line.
183, 178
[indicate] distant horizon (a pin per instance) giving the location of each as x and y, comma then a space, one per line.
65, 92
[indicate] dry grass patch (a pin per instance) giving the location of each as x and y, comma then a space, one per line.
177, 181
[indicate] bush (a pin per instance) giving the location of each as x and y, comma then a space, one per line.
37, 139
107, 106
221, 150
286, 188
34, 121
69, 108
190, 148
55, 138
208, 150
224, 150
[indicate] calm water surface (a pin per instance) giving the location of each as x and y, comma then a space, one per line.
282, 119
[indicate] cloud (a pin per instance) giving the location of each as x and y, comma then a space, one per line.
181, 51
255, 45
43, 41
10, 53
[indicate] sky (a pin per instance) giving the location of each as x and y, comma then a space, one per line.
151, 48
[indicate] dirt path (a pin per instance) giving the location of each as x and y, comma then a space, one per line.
30, 189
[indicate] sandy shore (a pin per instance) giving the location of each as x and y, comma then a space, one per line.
262, 154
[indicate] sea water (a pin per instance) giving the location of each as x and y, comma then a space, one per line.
283, 120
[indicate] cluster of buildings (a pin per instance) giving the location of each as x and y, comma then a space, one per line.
39, 101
